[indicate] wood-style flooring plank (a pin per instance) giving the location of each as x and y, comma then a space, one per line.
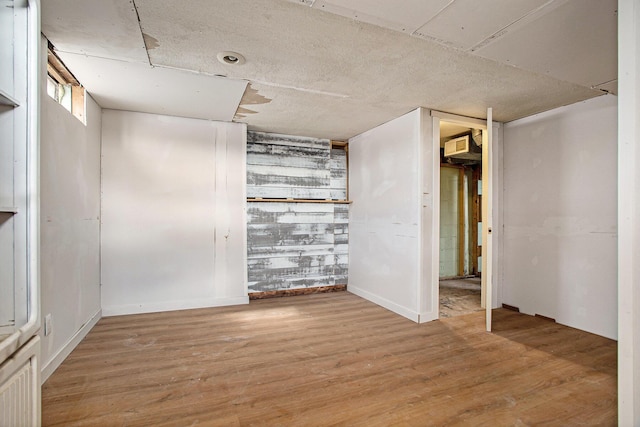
331, 359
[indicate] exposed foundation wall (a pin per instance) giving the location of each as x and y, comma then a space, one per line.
293, 245
560, 238
70, 225
173, 213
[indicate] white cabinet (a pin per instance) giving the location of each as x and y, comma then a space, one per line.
19, 278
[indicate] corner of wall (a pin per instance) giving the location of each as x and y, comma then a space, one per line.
69, 223
56, 360
385, 303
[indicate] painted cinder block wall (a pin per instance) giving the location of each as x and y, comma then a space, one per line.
293, 245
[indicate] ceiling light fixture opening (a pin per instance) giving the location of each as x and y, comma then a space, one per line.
231, 58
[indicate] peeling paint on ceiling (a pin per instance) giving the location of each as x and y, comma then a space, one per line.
242, 112
251, 97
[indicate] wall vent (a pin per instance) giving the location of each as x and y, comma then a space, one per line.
456, 146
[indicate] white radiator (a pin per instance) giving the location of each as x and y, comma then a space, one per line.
20, 387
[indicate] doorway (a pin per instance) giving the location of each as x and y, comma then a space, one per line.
460, 241
489, 266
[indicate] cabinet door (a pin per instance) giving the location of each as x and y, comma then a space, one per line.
19, 95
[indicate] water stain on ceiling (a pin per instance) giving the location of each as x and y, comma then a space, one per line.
150, 42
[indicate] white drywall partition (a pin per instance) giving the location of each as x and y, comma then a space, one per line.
70, 225
385, 219
560, 215
173, 213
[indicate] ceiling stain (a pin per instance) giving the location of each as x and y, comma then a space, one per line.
150, 42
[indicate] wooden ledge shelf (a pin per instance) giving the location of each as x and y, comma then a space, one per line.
259, 199
11, 210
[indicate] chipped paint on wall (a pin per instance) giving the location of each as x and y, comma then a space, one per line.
292, 244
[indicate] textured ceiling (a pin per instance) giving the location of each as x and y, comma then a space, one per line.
337, 68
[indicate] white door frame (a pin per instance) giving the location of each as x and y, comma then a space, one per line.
432, 285
487, 218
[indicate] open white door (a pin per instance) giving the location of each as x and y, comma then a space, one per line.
489, 294
487, 214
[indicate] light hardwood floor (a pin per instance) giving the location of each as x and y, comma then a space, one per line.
331, 359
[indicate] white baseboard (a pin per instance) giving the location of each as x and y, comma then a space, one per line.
53, 364
428, 316
120, 310
383, 302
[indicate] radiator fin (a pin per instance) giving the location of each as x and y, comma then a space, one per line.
16, 398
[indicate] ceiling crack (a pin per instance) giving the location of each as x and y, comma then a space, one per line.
144, 39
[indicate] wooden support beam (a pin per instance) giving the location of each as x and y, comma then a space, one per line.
55, 74
58, 70
461, 222
475, 218
77, 102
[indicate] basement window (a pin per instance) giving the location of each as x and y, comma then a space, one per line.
63, 87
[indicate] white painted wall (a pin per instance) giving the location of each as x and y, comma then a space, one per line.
560, 215
70, 225
173, 213
385, 219
628, 210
